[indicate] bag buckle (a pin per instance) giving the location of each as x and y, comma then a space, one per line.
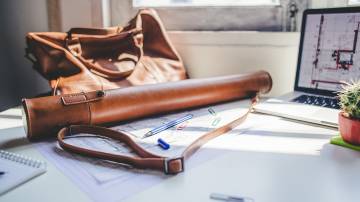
169, 161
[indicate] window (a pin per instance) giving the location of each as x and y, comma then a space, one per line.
215, 15
201, 3
354, 2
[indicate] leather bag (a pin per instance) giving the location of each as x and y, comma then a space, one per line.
90, 59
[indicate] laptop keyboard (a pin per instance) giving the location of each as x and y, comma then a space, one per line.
318, 101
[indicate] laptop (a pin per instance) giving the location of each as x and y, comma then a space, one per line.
329, 56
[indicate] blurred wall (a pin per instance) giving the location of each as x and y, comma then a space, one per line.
80, 13
17, 78
208, 54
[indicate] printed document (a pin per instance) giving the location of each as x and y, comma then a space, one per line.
108, 181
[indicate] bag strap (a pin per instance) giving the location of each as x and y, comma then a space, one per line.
145, 159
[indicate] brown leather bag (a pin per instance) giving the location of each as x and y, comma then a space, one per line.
89, 59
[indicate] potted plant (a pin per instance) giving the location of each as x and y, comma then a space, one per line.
349, 117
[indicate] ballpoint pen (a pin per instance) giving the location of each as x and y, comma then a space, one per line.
168, 125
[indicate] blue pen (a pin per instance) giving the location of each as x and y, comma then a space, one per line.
163, 144
168, 125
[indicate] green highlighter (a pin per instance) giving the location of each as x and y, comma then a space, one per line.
337, 140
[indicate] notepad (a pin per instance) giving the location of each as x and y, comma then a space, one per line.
17, 169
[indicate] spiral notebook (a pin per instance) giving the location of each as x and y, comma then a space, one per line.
16, 169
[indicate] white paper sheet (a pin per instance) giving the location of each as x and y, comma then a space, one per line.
105, 181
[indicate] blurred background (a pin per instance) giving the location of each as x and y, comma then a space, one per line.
213, 37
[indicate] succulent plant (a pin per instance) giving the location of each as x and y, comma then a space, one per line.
350, 99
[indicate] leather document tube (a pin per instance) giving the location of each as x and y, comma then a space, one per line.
45, 116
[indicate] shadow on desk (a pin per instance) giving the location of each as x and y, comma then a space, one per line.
21, 141
252, 131
338, 153
288, 134
16, 141
8, 116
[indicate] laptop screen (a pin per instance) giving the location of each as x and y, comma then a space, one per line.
329, 51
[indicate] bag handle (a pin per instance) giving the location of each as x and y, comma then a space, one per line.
137, 36
145, 159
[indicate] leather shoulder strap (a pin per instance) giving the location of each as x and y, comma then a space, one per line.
144, 159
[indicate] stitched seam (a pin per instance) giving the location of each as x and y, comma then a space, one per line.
88, 107
89, 114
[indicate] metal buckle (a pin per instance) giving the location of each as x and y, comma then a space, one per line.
169, 160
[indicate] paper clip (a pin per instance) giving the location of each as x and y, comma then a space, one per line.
212, 112
216, 121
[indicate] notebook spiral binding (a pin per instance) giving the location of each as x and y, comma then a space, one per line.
21, 159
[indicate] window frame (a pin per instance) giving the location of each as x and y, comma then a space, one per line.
210, 18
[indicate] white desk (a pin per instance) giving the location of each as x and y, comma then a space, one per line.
274, 166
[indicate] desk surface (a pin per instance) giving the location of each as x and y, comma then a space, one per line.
277, 165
